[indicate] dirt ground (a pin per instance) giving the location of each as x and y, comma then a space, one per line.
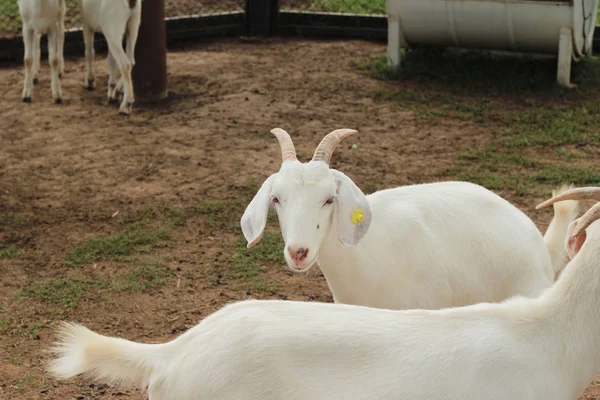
66, 170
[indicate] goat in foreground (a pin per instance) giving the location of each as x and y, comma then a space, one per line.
115, 19
522, 349
41, 17
425, 246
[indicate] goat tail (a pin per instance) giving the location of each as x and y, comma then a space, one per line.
113, 360
564, 213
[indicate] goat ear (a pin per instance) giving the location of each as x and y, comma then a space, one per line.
353, 210
255, 217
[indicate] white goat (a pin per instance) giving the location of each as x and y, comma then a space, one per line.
41, 17
522, 349
115, 19
424, 246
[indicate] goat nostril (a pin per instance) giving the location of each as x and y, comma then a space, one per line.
298, 255
303, 254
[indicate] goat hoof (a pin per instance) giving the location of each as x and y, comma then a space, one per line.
126, 110
90, 85
112, 100
58, 101
26, 99
36, 81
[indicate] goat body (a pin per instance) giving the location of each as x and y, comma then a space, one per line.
115, 19
444, 244
522, 349
43, 17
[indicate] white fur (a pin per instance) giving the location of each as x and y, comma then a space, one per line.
425, 246
43, 17
115, 19
522, 349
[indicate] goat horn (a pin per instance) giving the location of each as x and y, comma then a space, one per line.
288, 152
587, 193
325, 149
587, 219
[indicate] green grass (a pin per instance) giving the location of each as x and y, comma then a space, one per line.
9, 252
350, 6
12, 221
528, 119
16, 326
149, 275
219, 214
68, 292
247, 265
24, 381
143, 232
61, 292
479, 72
139, 240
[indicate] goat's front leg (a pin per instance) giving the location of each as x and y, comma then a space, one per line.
88, 38
112, 78
53, 59
61, 45
28, 38
36, 53
115, 47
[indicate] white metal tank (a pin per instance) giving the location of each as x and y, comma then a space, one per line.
562, 27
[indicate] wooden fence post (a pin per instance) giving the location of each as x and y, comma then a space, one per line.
150, 71
261, 17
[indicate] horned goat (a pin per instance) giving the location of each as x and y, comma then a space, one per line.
115, 19
522, 349
39, 18
424, 246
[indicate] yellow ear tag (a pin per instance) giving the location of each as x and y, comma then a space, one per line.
358, 216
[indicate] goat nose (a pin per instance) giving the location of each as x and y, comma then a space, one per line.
298, 254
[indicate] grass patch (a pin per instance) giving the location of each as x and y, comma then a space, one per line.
350, 6
514, 99
498, 168
248, 265
557, 174
24, 381
12, 221
543, 125
14, 360
145, 277
61, 292
222, 214
140, 240
15, 326
9, 252
140, 236
479, 72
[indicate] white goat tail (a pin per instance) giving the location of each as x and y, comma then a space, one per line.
564, 213
112, 360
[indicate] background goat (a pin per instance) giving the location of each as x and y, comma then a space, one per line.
115, 19
41, 17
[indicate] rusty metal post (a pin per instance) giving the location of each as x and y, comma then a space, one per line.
150, 71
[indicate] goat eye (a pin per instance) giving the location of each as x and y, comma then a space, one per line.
329, 200
275, 200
